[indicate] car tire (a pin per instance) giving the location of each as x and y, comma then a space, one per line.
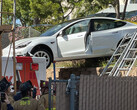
43, 53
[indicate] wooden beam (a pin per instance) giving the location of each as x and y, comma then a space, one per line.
8, 13
6, 28
0, 56
14, 60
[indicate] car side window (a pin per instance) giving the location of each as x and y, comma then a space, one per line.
120, 23
77, 27
100, 25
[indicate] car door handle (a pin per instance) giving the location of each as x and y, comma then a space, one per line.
79, 36
115, 32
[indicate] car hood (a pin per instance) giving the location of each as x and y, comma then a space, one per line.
34, 39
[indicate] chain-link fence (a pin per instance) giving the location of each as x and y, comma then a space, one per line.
24, 32
20, 33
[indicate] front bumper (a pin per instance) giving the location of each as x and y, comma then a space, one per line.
18, 52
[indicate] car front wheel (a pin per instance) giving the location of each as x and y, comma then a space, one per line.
43, 53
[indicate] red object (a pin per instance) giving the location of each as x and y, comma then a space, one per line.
28, 74
34, 66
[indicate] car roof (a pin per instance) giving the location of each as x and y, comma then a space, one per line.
78, 19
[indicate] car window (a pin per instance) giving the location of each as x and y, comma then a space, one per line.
104, 24
77, 27
55, 29
100, 25
120, 23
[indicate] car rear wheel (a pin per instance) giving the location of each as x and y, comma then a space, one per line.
44, 53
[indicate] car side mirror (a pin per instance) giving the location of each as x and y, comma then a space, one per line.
61, 33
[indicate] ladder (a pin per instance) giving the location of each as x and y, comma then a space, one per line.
123, 58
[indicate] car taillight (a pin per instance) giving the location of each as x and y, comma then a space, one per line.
34, 66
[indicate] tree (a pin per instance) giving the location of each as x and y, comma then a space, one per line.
7, 7
114, 3
52, 10
23, 12
124, 11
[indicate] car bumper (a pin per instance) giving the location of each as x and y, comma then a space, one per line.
18, 52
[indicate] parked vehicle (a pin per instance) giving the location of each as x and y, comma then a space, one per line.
75, 39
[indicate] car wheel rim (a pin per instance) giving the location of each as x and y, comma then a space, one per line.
43, 54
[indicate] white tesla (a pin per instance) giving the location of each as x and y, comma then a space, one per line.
75, 39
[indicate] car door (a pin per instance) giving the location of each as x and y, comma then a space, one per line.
71, 42
105, 36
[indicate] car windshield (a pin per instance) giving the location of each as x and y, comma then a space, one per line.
55, 29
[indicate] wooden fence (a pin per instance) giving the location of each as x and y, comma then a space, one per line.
102, 93
62, 99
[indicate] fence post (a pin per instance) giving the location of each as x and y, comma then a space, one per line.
72, 91
49, 97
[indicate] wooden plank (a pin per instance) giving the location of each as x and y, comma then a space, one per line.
84, 91
57, 96
6, 28
81, 92
87, 92
120, 94
65, 100
113, 90
104, 93
132, 94
126, 97
110, 93
62, 99
135, 93
129, 94
94, 95
107, 94
0, 56
101, 93
91, 92
116, 81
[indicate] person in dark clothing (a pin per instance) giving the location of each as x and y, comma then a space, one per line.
5, 89
27, 102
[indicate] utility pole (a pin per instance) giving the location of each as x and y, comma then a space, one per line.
3, 28
1, 13
0, 40
14, 60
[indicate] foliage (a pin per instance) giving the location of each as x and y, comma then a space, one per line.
7, 7
23, 12
31, 12
90, 62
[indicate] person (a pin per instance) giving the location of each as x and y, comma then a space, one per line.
45, 94
5, 89
27, 102
17, 89
9, 106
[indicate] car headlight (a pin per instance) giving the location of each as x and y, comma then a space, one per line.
22, 45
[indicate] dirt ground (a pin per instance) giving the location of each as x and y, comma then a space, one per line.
50, 73
64, 73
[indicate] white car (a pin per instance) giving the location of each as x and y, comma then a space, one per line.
75, 39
